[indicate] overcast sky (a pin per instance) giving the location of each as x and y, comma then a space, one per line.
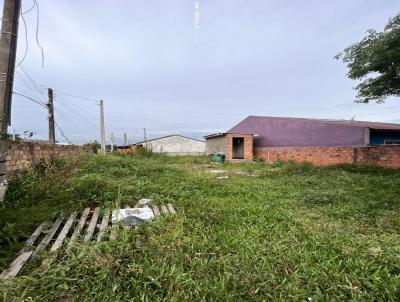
154, 70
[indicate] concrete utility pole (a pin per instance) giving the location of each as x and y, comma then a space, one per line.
144, 135
112, 142
102, 130
196, 14
8, 48
125, 139
14, 134
50, 105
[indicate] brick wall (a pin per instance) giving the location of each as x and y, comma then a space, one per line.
248, 147
386, 156
127, 149
21, 155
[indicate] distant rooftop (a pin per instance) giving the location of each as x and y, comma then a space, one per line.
157, 138
353, 123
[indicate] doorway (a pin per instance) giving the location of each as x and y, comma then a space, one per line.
238, 148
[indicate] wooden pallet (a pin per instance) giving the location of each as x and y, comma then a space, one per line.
93, 224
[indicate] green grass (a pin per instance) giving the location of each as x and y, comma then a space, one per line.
267, 232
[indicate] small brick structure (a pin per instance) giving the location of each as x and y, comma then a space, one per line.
247, 147
21, 155
384, 155
237, 147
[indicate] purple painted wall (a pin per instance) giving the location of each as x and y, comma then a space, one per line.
291, 132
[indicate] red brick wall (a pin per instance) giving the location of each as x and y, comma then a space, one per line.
21, 155
386, 156
248, 147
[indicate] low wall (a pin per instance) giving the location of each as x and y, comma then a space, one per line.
21, 155
386, 156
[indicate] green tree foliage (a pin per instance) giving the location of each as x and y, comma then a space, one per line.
375, 61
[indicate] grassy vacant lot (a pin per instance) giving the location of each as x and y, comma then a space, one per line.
267, 232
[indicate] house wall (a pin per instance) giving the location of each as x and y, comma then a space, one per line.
21, 155
215, 145
287, 132
176, 145
378, 137
386, 155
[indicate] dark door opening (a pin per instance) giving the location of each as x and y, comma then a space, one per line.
238, 148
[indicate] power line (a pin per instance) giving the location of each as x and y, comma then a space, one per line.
37, 85
26, 40
62, 133
40, 94
77, 96
29, 10
37, 31
76, 112
30, 98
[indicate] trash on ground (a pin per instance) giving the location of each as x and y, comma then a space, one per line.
132, 216
145, 201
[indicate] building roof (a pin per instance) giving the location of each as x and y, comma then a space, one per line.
352, 123
166, 136
223, 134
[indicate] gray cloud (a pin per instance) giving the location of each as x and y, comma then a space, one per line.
154, 70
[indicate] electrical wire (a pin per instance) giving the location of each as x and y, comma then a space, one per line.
41, 94
40, 86
34, 83
37, 30
26, 41
29, 10
77, 96
76, 112
30, 98
62, 133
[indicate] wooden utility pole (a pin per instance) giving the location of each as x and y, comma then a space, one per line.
50, 105
8, 48
102, 130
125, 139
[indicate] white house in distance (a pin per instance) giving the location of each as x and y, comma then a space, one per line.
175, 145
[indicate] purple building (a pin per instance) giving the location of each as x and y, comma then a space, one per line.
303, 132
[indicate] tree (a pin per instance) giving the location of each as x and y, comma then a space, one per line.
375, 61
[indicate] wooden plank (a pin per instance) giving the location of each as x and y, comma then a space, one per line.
114, 228
78, 228
156, 211
92, 225
16, 266
171, 208
46, 240
23, 255
164, 209
104, 224
60, 239
29, 243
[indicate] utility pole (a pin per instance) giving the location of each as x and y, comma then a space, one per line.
125, 139
8, 48
14, 134
112, 142
144, 135
50, 106
102, 130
